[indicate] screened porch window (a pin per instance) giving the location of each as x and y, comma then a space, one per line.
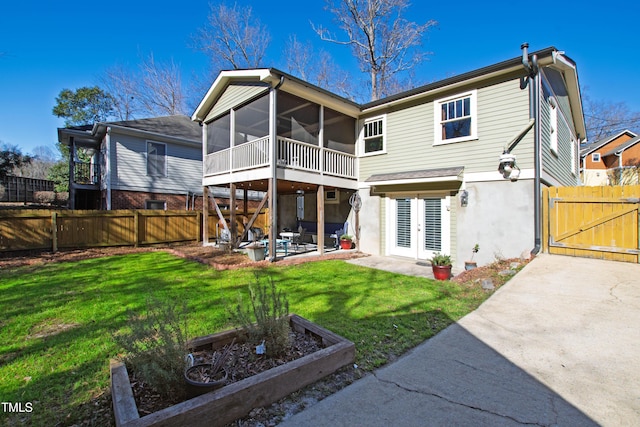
339, 131
298, 118
252, 121
219, 134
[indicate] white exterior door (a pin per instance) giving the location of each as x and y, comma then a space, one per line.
418, 226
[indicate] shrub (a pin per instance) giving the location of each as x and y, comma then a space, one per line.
44, 197
156, 346
265, 319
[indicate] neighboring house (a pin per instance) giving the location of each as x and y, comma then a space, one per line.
611, 160
153, 163
421, 165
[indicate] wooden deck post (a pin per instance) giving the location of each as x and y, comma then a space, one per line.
320, 226
232, 219
205, 215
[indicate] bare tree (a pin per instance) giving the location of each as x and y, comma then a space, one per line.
233, 38
318, 68
384, 43
604, 118
42, 160
154, 90
161, 88
123, 87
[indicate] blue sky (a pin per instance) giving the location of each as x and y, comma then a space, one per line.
48, 46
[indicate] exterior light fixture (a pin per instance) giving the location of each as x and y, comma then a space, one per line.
464, 198
508, 167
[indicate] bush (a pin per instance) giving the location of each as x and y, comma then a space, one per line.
266, 319
156, 346
44, 197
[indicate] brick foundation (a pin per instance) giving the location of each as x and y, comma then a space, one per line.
137, 200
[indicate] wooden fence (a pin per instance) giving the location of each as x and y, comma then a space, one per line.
53, 230
20, 189
593, 222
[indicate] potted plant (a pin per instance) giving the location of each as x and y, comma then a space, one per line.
441, 265
204, 377
256, 251
470, 265
346, 241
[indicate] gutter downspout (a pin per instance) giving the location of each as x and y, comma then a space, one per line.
533, 81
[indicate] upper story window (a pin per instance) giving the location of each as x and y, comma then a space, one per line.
374, 135
219, 134
595, 157
456, 118
156, 159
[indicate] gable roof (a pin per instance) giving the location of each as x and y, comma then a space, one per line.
590, 148
272, 77
620, 148
177, 127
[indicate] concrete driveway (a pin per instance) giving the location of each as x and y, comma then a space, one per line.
559, 344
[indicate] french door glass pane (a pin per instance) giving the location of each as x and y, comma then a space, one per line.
432, 224
403, 223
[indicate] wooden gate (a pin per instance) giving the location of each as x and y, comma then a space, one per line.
593, 222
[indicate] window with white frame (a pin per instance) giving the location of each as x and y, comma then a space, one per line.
456, 118
156, 159
373, 135
553, 125
595, 157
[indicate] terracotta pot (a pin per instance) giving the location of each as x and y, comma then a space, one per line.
345, 244
196, 388
441, 272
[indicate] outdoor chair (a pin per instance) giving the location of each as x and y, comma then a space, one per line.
299, 239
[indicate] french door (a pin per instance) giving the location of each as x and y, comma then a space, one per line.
418, 225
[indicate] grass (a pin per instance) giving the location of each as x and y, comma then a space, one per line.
57, 320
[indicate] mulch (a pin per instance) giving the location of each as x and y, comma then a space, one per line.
209, 255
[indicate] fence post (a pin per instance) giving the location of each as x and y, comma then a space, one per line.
199, 236
54, 231
136, 223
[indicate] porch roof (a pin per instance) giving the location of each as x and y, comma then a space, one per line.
426, 175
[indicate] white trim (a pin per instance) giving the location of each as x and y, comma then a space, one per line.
416, 180
361, 140
496, 176
473, 115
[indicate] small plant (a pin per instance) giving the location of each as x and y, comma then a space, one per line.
474, 251
440, 259
156, 346
346, 237
265, 320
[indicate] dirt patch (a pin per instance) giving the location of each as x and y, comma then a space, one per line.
499, 272
209, 255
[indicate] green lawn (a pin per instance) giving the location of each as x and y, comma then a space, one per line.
57, 320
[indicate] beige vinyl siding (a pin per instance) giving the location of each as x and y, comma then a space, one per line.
503, 109
129, 166
234, 95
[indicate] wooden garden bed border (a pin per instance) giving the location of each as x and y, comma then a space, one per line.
235, 400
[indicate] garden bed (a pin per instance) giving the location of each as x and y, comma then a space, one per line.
235, 400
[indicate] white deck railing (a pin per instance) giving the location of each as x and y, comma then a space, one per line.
291, 154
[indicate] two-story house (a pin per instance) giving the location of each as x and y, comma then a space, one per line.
439, 168
611, 160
